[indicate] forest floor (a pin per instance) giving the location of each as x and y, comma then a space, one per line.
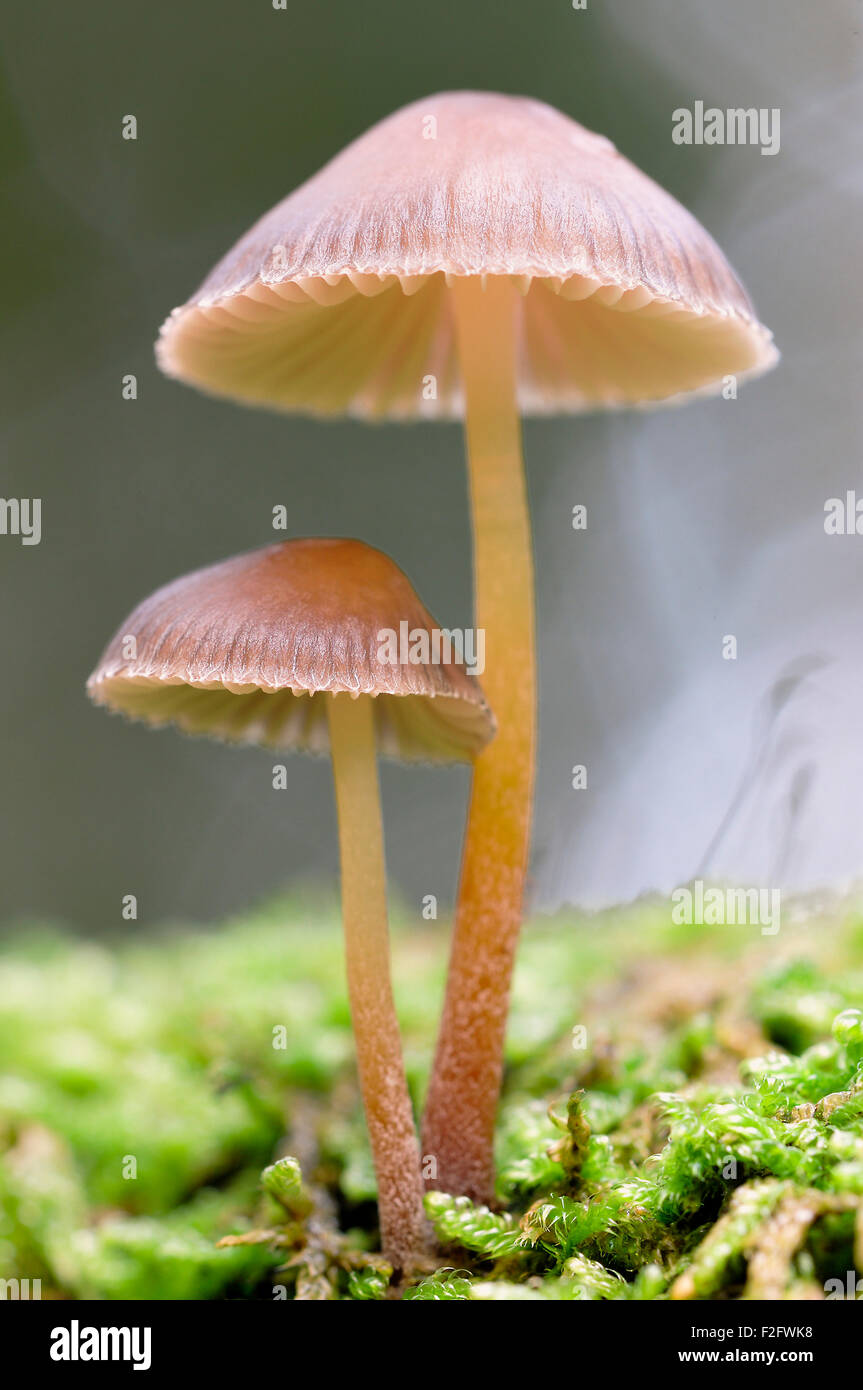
682, 1113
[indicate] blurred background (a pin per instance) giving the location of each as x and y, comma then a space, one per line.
702, 521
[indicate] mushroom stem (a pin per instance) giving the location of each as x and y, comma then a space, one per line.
387, 1103
458, 1127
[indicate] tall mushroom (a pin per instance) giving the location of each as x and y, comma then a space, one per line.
485, 256
283, 647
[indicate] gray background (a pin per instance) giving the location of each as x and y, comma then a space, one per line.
701, 521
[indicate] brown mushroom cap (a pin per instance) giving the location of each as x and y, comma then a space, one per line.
244, 650
336, 301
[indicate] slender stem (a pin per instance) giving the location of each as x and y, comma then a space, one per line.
389, 1116
460, 1112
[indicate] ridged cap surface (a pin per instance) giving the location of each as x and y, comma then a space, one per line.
248, 650
336, 301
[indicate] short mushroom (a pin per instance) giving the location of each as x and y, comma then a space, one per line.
285, 647
478, 255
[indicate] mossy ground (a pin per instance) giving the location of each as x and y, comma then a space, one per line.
702, 1137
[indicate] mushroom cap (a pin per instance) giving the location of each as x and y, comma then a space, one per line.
336, 300
245, 651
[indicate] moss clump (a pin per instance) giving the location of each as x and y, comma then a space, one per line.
682, 1117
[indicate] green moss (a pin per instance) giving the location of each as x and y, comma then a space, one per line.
682, 1115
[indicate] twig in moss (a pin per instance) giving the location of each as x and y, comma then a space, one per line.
571, 1151
720, 1258
775, 1243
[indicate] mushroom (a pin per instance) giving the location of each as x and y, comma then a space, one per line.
483, 256
285, 647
